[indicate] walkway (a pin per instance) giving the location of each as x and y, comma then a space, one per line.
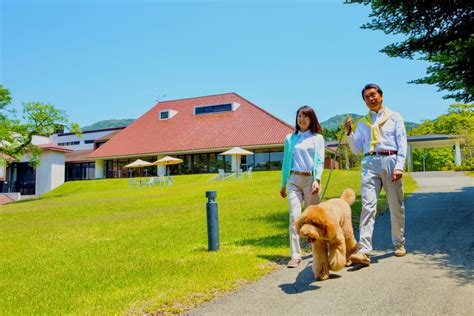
435, 277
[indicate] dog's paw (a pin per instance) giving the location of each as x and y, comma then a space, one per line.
323, 277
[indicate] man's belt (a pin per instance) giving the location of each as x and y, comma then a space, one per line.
302, 173
382, 153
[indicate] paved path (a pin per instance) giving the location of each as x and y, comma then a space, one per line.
434, 278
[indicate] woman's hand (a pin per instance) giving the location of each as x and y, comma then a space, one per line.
315, 187
283, 192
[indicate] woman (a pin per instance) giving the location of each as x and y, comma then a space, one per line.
303, 165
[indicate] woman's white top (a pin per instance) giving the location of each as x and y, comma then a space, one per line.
303, 153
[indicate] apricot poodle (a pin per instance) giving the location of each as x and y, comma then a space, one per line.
328, 227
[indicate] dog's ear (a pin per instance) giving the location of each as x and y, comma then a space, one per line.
298, 223
318, 218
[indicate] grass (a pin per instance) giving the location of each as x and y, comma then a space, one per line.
101, 247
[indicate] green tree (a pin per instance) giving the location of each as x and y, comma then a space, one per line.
438, 31
459, 121
38, 119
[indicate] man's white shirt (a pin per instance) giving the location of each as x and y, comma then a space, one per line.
392, 137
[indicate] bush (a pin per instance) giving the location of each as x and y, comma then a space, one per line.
466, 165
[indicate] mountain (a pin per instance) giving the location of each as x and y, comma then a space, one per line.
334, 122
108, 124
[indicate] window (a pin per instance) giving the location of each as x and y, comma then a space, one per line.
262, 159
89, 141
217, 108
69, 143
164, 115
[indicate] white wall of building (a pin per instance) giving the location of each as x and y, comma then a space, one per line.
99, 169
50, 173
39, 140
86, 136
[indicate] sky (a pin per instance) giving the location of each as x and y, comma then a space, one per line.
114, 59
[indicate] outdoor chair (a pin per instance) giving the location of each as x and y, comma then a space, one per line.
222, 175
149, 182
249, 173
239, 174
133, 183
164, 180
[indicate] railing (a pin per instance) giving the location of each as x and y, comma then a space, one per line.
8, 186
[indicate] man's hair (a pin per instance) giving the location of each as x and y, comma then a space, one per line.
372, 86
314, 125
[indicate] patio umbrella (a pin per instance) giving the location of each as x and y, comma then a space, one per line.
139, 164
166, 161
237, 152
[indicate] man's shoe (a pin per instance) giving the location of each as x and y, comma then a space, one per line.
293, 263
400, 251
360, 258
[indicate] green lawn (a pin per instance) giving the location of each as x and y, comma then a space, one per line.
100, 247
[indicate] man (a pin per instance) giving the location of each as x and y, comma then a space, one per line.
381, 137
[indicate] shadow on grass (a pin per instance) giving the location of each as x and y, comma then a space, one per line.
279, 219
273, 241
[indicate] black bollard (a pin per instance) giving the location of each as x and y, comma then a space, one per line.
212, 221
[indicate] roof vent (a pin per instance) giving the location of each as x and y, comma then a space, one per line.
166, 114
216, 108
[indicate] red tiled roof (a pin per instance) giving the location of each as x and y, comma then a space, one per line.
78, 156
54, 147
7, 157
248, 126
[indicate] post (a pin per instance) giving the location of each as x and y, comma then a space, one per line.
457, 155
212, 221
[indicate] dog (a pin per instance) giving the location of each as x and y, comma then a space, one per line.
328, 227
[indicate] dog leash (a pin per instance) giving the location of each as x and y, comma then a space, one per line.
332, 164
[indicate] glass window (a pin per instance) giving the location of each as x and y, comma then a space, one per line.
276, 159
204, 165
91, 170
213, 162
213, 108
196, 162
187, 165
164, 115
121, 172
262, 160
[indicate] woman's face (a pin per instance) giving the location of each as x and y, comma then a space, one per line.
303, 122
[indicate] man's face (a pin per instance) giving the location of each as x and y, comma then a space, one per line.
373, 99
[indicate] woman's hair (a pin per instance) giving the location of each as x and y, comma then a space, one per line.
314, 125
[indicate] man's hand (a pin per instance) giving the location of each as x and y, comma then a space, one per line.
315, 187
283, 192
397, 175
348, 125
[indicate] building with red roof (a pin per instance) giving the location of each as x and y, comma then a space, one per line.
196, 130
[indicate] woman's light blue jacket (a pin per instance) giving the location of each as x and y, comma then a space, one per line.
318, 160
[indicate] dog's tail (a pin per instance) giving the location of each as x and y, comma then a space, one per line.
349, 196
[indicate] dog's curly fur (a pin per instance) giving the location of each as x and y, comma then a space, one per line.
328, 226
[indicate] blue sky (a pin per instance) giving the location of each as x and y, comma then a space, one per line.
109, 59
